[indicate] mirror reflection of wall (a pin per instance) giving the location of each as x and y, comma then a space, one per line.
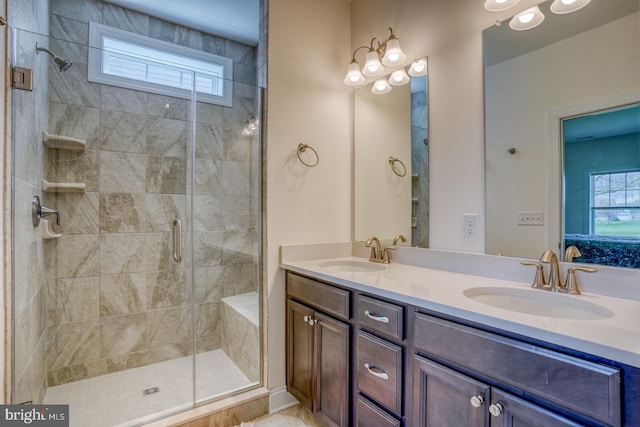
602, 186
524, 90
392, 125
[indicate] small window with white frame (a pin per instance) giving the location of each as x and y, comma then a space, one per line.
133, 61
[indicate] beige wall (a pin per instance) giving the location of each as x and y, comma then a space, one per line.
307, 102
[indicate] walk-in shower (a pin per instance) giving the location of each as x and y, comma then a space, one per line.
145, 299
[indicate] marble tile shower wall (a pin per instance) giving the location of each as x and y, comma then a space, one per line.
116, 299
419, 164
29, 19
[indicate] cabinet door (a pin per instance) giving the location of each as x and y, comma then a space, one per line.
515, 412
331, 400
300, 352
442, 397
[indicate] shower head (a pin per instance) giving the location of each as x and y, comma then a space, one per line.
63, 64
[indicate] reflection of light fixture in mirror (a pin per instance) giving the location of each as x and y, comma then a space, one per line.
381, 86
527, 20
399, 78
250, 127
418, 67
498, 5
561, 7
389, 52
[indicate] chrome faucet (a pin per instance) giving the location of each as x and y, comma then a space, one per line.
555, 282
376, 249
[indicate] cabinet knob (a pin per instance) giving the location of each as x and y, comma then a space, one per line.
477, 401
496, 409
313, 321
307, 318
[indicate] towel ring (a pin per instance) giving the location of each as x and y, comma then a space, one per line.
395, 169
301, 149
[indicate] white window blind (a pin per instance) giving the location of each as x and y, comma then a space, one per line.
133, 61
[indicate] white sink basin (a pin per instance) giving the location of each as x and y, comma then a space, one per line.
351, 266
538, 302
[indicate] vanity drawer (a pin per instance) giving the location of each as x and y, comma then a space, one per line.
319, 295
380, 371
368, 415
585, 387
380, 316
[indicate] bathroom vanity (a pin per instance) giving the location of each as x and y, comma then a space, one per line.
400, 345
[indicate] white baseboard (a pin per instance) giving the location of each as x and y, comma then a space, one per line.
279, 399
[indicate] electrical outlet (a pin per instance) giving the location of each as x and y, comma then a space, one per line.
531, 218
471, 226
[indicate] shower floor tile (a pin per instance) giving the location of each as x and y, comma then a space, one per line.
117, 399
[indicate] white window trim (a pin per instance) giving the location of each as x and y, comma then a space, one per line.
98, 31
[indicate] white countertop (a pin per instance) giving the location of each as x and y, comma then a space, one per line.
615, 338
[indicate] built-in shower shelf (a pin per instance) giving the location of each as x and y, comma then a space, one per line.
61, 142
63, 187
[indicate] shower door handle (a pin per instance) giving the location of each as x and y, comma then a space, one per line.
177, 240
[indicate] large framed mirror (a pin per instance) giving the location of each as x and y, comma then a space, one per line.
391, 184
561, 120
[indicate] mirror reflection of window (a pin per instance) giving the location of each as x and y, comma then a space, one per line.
602, 186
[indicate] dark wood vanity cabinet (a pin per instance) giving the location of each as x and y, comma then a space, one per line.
318, 349
557, 387
380, 353
391, 364
444, 397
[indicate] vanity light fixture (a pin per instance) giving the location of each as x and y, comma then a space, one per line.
561, 7
418, 67
388, 53
381, 86
498, 5
527, 20
399, 78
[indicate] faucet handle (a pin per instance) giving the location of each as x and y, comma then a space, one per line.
376, 251
572, 283
539, 281
386, 254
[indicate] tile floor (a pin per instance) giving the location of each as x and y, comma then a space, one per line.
117, 399
295, 416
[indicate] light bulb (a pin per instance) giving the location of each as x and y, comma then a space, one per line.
381, 86
354, 75
372, 65
393, 54
527, 20
418, 67
399, 78
498, 5
561, 7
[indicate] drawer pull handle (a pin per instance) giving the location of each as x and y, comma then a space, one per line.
496, 409
372, 370
373, 316
477, 401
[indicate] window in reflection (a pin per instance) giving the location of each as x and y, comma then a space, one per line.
602, 186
